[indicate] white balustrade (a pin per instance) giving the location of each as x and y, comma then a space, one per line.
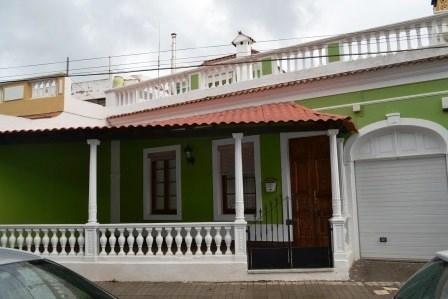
384, 40
54, 240
124, 240
170, 239
45, 88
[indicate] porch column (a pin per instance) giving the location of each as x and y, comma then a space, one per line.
93, 181
240, 222
338, 220
239, 192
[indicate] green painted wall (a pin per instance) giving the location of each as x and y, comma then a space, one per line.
427, 107
271, 168
333, 52
266, 66
197, 178
194, 81
196, 184
48, 183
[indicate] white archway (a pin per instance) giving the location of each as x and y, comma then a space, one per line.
418, 137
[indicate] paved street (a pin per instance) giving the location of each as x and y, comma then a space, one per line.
341, 290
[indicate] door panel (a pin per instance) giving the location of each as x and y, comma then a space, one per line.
311, 191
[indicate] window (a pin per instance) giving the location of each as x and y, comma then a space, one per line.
162, 183
224, 177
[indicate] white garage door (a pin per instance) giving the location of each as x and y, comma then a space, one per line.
402, 207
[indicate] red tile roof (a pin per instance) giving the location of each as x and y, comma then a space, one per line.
267, 113
261, 114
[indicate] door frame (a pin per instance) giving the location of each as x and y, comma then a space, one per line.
285, 167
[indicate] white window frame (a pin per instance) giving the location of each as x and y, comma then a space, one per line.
218, 214
147, 209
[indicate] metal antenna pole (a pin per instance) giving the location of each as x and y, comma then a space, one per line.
67, 67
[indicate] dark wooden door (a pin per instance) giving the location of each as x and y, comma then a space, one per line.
311, 191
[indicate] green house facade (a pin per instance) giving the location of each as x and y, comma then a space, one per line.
248, 167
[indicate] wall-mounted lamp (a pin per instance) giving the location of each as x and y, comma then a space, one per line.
188, 151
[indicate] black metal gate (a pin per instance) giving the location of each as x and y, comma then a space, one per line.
270, 242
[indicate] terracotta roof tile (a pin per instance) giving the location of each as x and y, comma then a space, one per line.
267, 113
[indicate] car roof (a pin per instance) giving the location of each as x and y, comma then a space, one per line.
443, 255
8, 256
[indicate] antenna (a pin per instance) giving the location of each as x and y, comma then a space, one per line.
158, 55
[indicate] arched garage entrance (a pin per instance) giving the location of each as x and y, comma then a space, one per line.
401, 189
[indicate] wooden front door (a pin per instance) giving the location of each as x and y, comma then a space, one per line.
311, 191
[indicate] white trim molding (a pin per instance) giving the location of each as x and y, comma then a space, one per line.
217, 200
147, 212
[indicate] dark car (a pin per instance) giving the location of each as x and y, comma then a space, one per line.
27, 276
430, 282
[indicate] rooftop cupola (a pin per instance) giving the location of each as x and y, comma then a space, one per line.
243, 44
440, 5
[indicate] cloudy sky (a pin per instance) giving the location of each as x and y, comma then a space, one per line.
41, 31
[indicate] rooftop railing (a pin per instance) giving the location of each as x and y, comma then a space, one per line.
380, 41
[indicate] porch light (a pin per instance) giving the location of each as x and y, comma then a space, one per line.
189, 154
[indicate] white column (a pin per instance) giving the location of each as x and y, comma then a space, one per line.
240, 222
93, 181
338, 220
335, 184
239, 192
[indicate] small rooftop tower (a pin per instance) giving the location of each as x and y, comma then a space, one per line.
243, 44
440, 5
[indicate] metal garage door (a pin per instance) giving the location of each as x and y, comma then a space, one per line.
402, 207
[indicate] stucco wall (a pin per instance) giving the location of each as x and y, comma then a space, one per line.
425, 107
197, 178
48, 183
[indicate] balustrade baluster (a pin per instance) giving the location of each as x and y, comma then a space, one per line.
71, 241
139, 241
419, 36
169, 241
103, 241
45, 241
112, 241
198, 241
130, 241
208, 240
36, 241
121, 241
28, 239
63, 241
228, 240
159, 241
218, 240
80, 241
408, 38
188, 240
12, 238
20, 239
54, 241
4, 238
149, 241
178, 240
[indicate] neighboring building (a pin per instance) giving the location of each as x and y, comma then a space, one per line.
93, 91
327, 152
34, 98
